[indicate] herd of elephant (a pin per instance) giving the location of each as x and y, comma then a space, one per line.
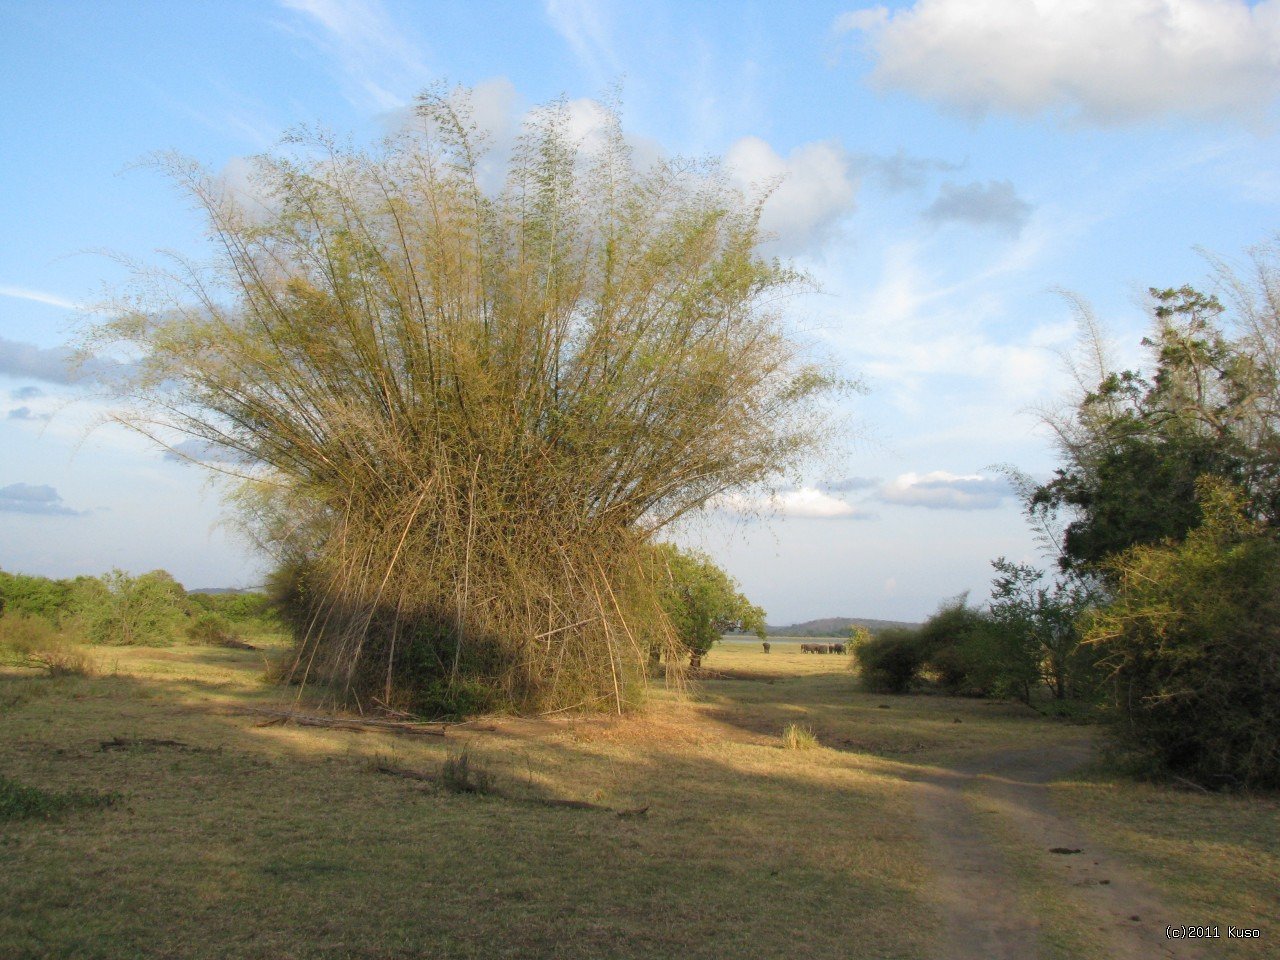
815, 647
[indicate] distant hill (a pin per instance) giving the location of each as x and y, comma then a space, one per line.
833, 627
217, 590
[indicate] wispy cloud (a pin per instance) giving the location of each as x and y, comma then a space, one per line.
38, 296
850, 484
24, 413
382, 66
902, 171
1097, 61
584, 26
26, 498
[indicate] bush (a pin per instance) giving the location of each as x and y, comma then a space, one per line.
946, 643
32, 641
240, 608
891, 661
1191, 641
210, 627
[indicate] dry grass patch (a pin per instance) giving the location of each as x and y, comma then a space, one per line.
283, 841
241, 837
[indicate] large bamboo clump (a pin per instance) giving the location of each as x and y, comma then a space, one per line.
471, 410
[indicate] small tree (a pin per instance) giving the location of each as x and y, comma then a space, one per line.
701, 601
1134, 446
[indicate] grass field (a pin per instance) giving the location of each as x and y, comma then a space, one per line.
690, 830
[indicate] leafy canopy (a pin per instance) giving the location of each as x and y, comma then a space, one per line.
701, 601
1134, 447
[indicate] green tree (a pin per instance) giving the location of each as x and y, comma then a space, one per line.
891, 660
1134, 448
701, 601
118, 608
464, 412
1035, 635
858, 635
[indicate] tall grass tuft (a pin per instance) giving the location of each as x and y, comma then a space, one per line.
459, 775
796, 737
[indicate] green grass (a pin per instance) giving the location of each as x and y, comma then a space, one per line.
253, 839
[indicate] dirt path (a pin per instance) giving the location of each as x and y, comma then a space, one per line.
973, 812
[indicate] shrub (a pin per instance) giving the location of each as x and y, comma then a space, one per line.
34, 642
1191, 640
122, 609
891, 661
209, 627
37, 596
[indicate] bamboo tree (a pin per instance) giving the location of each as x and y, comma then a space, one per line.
462, 415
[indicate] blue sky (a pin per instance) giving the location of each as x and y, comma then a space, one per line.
948, 164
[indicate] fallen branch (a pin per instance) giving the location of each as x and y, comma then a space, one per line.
235, 643
1191, 784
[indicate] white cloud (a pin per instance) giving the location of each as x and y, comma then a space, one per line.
813, 188
805, 502
1101, 61
941, 490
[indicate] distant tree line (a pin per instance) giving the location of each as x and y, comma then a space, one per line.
123, 609
1163, 519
